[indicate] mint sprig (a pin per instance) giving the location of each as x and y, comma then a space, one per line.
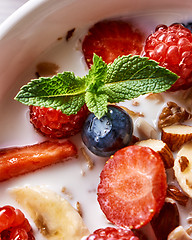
126, 78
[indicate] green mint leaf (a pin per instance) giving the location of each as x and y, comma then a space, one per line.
64, 91
126, 78
97, 74
97, 103
131, 76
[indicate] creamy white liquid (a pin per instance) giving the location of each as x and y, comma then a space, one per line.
15, 129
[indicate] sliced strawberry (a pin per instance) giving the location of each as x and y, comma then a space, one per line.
110, 39
132, 186
20, 160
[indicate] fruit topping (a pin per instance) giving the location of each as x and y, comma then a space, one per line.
177, 195
161, 148
19, 160
167, 220
179, 233
183, 167
188, 25
111, 233
176, 135
108, 134
53, 215
132, 186
110, 39
55, 124
14, 225
173, 114
172, 48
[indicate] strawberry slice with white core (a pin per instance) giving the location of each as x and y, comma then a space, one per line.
132, 186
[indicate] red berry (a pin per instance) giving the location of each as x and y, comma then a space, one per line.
19, 218
172, 48
110, 39
132, 186
30, 236
7, 217
5, 235
26, 225
53, 123
18, 234
14, 225
110, 233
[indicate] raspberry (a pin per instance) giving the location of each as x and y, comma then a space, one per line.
14, 225
7, 217
172, 48
110, 233
18, 234
55, 124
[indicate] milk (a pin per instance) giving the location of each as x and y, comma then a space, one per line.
74, 175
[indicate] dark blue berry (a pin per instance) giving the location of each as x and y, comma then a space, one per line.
105, 136
188, 25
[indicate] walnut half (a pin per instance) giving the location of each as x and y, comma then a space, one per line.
174, 193
172, 114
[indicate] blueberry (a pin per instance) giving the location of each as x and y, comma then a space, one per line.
188, 25
105, 136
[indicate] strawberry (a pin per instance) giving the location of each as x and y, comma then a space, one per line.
132, 186
20, 160
55, 124
172, 48
111, 233
110, 39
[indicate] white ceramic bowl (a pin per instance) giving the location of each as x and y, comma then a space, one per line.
36, 25
32, 31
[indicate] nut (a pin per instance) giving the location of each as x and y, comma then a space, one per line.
145, 129
179, 233
176, 135
161, 148
172, 114
184, 163
184, 178
166, 220
157, 97
132, 113
174, 193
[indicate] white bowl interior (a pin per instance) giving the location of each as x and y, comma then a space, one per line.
35, 26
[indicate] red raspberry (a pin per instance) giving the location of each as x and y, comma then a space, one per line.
14, 225
7, 217
110, 233
172, 48
55, 124
18, 234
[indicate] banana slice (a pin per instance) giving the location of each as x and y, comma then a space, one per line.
53, 215
179, 233
161, 148
183, 168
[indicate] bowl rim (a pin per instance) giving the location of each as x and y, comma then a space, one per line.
18, 15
